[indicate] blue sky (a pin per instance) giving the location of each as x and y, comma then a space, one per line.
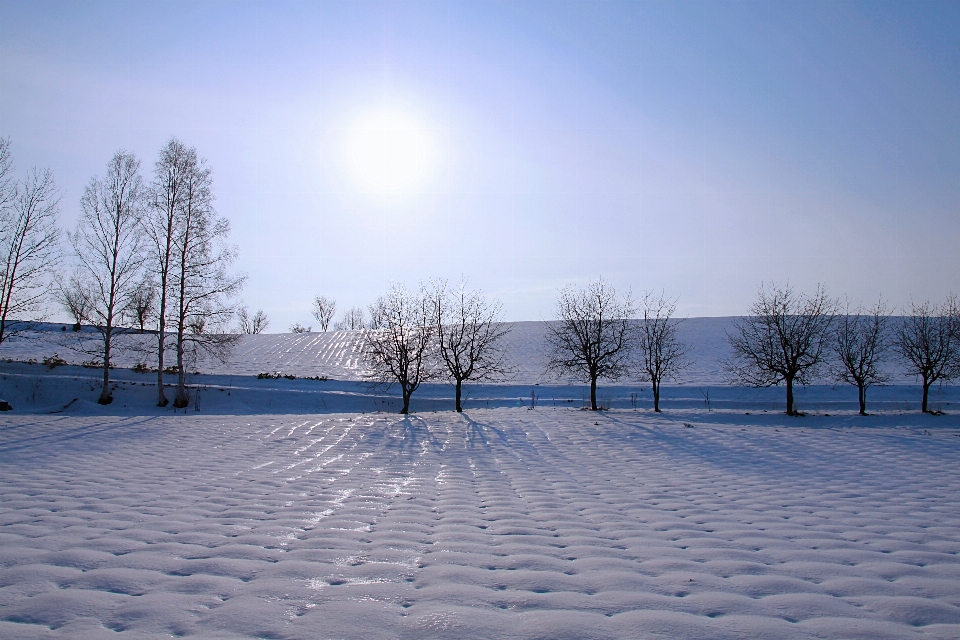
696, 147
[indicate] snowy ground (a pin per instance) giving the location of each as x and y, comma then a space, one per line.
552, 523
297, 508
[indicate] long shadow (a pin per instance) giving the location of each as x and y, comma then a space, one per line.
414, 433
97, 435
475, 433
763, 454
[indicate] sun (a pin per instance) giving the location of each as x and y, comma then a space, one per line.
390, 155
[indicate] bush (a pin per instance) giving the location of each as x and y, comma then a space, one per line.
141, 367
54, 361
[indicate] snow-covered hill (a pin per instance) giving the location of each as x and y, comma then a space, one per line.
336, 354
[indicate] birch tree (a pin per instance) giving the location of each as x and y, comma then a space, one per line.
108, 245
201, 289
29, 243
171, 173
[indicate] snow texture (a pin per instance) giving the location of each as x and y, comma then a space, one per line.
297, 508
550, 523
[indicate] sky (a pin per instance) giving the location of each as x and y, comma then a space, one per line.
694, 148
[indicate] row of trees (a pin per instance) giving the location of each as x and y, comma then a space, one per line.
437, 332
152, 252
788, 338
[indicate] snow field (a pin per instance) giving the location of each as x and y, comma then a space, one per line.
553, 523
337, 354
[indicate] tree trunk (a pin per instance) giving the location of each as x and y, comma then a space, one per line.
459, 389
593, 392
863, 398
406, 399
105, 397
790, 411
162, 399
183, 398
926, 393
656, 395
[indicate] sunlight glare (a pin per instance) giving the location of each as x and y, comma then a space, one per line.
390, 155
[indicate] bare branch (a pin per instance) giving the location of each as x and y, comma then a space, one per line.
928, 341
782, 340
352, 320
252, 325
398, 352
108, 246
469, 336
662, 355
324, 310
592, 338
202, 290
860, 342
29, 244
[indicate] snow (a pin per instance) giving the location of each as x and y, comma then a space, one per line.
309, 509
553, 522
336, 354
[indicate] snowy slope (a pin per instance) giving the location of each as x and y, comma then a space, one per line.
552, 523
335, 354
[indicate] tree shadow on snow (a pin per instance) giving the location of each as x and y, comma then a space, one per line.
765, 453
411, 435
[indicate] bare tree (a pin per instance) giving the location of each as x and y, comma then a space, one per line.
252, 325
662, 354
860, 342
352, 320
7, 187
29, 244
376, 317
73, 298
259, 322
928, 340
168, 193
324, 310
469, 336
108, 244
201, 289
142, 302
592, 336
782, 340
399, 351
